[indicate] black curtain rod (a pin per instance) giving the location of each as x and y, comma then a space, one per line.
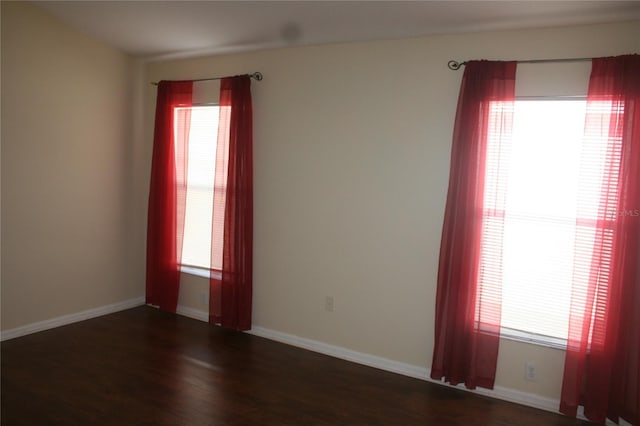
455, 65
256, 76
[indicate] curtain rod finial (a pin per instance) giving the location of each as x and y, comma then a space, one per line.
257, 76
454, 65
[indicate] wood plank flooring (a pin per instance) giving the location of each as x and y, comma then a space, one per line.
146, 367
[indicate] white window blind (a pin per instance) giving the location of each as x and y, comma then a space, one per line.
201, 167
540, 175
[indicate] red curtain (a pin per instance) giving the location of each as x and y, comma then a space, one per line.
468, 306
231, 294
167, 194
602, 364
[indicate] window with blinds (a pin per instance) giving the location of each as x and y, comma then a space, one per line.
531, 195
201, 170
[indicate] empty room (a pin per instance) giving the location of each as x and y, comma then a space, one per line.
320, 212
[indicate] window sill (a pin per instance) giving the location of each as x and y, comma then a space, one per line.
534, 339
200, 272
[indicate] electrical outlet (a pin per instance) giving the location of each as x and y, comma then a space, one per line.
204, 299
328, 303
530, 372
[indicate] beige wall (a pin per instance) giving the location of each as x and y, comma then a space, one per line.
66, 167
352, 147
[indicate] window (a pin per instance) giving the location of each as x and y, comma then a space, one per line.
531, 189
201, 123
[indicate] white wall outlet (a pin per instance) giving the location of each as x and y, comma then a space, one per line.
204, 299
530, 372
328, 303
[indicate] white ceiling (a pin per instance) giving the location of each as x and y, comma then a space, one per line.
165, 29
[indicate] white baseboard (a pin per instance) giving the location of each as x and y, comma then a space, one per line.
193, 313
519, 397
69, 319
417, 372
342, 353
422, 373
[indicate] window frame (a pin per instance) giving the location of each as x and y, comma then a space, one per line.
186, 268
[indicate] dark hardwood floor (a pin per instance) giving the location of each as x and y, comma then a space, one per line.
143, 366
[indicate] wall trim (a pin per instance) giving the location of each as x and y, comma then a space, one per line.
70, 319
193, 313
343, 353
409, 370
414, 371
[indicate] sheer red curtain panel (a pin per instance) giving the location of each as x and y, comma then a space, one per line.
230, 296
602, 364
167, 193
467, 323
